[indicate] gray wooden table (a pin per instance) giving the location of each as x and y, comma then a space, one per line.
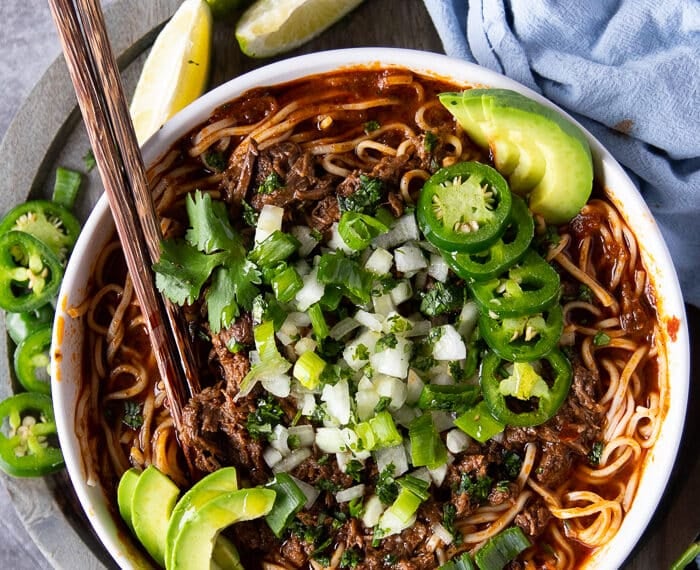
28, 46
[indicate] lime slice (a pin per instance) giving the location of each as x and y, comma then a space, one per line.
176, 70
269, 27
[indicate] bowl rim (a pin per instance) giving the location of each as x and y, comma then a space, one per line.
656, 258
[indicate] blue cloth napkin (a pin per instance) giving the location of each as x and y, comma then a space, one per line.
628, 70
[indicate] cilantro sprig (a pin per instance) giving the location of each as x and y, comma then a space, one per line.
211, 252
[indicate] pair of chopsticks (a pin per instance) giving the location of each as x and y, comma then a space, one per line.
98, 86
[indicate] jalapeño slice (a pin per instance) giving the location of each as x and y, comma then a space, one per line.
47, 221
464, 207
524, 338
522, 397
507, 250
528, 287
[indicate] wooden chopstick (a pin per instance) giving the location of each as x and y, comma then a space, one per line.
98, 86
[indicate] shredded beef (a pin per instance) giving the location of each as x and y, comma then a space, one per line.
233, 366
324, 214
214, 428
239, 172
533, 518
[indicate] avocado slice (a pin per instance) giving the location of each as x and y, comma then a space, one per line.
544, 156
151, 504
225, 555
125, 493
216, 483
200, 527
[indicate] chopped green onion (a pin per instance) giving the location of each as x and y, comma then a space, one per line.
479, 423
448, 398
318, 321
308, 369
427, 449
499, 550
358, 230
286, 284
89, 161
462, 562
289, 500
271, 362
65, 189
385, 430
276, 247
405, 505
418, 487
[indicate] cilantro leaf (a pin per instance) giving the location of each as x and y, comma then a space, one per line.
212, 248
182, 270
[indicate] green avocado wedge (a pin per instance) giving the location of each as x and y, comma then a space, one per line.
199, 528
125, 494
216, 483
544, 157
152, 503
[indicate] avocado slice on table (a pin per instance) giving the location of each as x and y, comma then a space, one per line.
216, 483
152, 502
200, 527
544, 157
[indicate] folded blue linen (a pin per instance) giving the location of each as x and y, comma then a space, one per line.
628, 70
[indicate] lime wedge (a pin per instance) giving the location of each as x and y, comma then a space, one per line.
176, 70
270, 27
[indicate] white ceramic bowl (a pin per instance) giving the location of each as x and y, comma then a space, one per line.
99, 227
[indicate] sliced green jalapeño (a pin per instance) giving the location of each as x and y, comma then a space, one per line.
521, 396
523, 338
464, 207
507, 250
531, 286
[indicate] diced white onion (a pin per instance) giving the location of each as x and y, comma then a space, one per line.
368, 339
294, 459
392, 388
337, 398
392, 524
467, 319
405, 415
372, 321
279, 439
395, 455
271, 456
310, 491
414, 387
422, 473
307, 241
343, 327
420, 328
450, 345
305, 433
279, 385
438, 268
402, 292
393, 361
330, 440
441, 378
284, 338
373, 509
380, 262
457, 441
409, 258
308, 404
269, 220
383, 304
305, 344
442, 421
438, 474
367, 400
354, 492
405, 229
442, 533
310, 292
